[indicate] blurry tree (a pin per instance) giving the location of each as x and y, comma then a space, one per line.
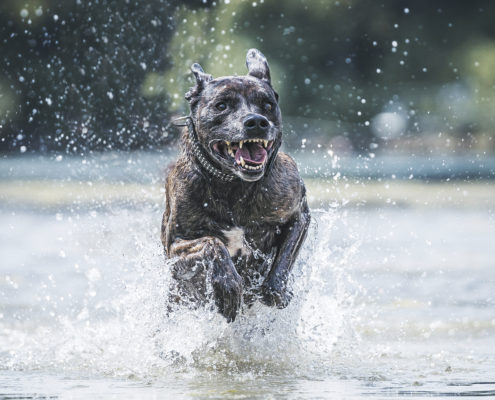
107, 74
71, 73
338, 64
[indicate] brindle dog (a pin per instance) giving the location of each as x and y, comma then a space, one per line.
236, 212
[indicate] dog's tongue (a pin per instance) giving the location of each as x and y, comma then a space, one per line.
252, 152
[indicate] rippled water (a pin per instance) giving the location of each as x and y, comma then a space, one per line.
390, 301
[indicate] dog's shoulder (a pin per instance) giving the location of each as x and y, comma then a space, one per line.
285, 175
184, 181
286, 188
285, 164
185, 193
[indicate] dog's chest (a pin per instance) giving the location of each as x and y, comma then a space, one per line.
236, 241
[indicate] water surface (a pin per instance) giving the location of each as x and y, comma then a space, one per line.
391, 300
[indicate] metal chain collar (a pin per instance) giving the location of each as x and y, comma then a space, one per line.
198, 152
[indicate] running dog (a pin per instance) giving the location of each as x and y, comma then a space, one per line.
236, 213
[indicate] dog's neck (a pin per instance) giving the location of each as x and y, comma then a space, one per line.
203, 159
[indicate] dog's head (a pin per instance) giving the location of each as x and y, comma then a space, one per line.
237, 118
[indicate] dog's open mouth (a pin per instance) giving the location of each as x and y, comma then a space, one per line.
250, 154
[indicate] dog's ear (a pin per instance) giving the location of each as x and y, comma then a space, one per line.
202, 79
257, 65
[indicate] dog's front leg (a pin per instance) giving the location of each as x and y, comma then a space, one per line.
275, 291
212, 253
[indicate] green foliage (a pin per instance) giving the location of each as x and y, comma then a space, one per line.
207, 36
343, 62
76, 69
118, 70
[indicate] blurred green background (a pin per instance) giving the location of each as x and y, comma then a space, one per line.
354, 76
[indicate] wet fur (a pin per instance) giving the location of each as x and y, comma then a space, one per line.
271, 211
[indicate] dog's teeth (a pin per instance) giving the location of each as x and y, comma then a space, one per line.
229, 149
241, 143
265, 143
243, 163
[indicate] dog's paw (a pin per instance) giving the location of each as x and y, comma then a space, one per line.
227, 288
275, 294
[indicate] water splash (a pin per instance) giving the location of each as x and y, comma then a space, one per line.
133, 333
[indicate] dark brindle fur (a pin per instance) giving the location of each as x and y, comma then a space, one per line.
206, 211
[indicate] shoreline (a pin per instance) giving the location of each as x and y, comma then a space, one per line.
48, 194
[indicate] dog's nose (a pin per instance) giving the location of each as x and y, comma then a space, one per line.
256, 122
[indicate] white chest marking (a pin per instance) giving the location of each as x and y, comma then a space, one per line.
235, 241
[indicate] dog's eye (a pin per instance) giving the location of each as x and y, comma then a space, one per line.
268, 107
221, 106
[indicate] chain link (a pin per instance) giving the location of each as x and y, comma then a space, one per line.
199, 154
